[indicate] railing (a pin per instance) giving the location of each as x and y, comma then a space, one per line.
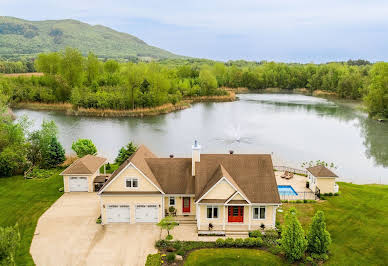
290, 169
305, 195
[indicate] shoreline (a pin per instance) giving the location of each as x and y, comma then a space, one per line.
69, 109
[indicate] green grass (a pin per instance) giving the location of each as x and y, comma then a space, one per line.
23, 201
231, 257
357, 221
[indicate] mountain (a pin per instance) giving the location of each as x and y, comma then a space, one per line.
20, 37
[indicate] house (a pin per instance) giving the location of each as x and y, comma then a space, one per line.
322, 179
83, 174
228, 191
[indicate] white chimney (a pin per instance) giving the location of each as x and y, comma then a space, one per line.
195, 156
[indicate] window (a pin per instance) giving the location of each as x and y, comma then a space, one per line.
132, 183
259, 212
172, 201
212, 212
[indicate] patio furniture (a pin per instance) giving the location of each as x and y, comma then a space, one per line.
285, 174
290, 175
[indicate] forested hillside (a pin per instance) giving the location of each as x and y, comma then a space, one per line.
23, 38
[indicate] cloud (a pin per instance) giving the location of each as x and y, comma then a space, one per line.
298, 29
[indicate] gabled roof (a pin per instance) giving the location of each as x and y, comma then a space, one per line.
218, 174
174, 174
252, 173
138, 160
321, 171
87, 165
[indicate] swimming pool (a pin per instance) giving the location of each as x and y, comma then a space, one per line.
287, 190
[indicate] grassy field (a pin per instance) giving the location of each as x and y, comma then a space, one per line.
232, 257
23, 202
357, 221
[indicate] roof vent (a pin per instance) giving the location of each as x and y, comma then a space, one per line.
231, 152
171, 155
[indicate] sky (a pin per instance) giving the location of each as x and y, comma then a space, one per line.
274, 30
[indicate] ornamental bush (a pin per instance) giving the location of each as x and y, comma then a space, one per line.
255, 234
229, 242
258, 242
220, 242
170, 257
249, 242
239, 242
293, 240
318, 237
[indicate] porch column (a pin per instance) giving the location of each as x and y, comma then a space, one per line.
223, 224
104, 169
274, 215
250, 217
198, 210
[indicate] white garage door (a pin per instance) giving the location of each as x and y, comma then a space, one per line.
117, 213
146, 213
78, 183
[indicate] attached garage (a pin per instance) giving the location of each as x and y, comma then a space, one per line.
78, 184
146, 213
118, 213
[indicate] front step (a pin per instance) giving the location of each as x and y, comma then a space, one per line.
242, 234
186, 221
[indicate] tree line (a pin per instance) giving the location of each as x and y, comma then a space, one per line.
90, 83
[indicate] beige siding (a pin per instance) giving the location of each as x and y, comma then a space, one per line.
132, 201
118, 184
179, 205
326, 185
269, 218
248, 218
222, 190
237, 197
90, 181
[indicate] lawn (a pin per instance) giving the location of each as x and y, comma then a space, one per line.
232, 257
357, 221
24, 201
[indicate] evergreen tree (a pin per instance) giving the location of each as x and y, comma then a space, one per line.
125, 152
293, 240
318, 237
55, 154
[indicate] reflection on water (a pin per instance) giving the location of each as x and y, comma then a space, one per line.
293, 127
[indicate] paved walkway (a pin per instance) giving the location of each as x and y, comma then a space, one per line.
67, 234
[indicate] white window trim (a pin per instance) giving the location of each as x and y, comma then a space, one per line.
169, 198
131, 179
213, 207
258, 217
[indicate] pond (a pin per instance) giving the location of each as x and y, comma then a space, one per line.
294, 128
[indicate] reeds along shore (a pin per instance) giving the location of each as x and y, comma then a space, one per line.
69, 109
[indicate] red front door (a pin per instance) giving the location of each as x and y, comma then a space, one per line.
235, 214
186, 204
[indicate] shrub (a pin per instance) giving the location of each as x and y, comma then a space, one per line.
309, 260
220, 242
61, 189
293, 239
162, 243
270, 237
318, 237
170, 257
249, 242
304, 201
177, 244
239, 242
275, 250
153, 260
229, 242
171, 209
319, 256
322, 197
336, 194
98, 221
169, 237
330, 194
258, 242
298, 201
9, 243
255, 234
180, 252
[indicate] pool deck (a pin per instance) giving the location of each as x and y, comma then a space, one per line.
298, 183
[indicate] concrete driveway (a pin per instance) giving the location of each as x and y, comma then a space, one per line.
67, 234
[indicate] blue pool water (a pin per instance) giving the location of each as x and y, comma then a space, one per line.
286, 190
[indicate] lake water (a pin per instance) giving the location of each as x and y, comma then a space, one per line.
294, 128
